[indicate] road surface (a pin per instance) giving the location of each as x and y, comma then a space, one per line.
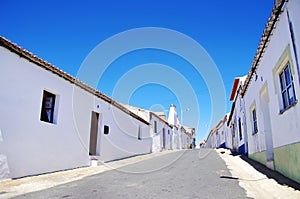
182, 174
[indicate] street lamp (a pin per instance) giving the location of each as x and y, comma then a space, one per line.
181, 112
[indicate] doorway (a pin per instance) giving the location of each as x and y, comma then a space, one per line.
264, 101
95, 119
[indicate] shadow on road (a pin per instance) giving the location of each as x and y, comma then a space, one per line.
279, 178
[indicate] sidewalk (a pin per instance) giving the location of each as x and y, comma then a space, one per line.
258, 180
12, 188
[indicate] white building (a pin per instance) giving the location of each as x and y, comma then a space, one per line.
217, 136
237, 118
160, 129
271, 93
50, 121
228, 133
265, 113
165, 136
187, 136
221, 131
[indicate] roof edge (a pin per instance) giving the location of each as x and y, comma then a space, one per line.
263, 42
42, 63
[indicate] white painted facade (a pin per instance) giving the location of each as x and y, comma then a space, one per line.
217, 136
29, 146
165, 135
237, 118
221, 132
186, 137
276, 127
160, 130
265, 114
228, 133
211, 141
161, 134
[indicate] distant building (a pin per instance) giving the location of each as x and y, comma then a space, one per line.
165, 136
265, 114
237, 118
160, 129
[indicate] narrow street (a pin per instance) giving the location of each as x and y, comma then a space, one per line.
176, 175
203, 173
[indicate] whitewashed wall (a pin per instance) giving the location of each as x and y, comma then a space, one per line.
241, 137
234, 130
122, 140
289, 120
228, 137
185, 140
31, 146
157, 144
280, 123
222, 134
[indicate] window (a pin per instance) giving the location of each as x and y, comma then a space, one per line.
155, 127
240, 129
106, 130
254, 121
287, 87
48, 103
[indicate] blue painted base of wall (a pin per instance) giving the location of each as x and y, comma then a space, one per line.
223, 145
242, 150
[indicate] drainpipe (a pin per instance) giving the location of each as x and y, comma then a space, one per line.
293, 43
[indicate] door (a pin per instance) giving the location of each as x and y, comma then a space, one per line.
164, 138
94, 133
267, 129
171, 140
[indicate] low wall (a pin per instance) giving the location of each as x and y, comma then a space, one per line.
287, 161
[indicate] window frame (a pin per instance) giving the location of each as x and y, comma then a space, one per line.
139, 132
240, 128
284, 60
105, 129
287, 88
254, 121
155, 127
48, 107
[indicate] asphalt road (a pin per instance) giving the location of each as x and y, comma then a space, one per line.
183, 174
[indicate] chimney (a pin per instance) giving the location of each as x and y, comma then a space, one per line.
172, 119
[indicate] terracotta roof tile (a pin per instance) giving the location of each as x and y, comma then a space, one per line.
264, 41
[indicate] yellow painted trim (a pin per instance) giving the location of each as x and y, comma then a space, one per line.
264, 91
252, 107
285, 58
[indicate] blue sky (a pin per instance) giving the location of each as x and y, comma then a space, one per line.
65, 32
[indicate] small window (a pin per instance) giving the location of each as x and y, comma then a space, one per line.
139, 133
254, 121
155, 127
287, 87
240, 129
106, 129
48, 103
